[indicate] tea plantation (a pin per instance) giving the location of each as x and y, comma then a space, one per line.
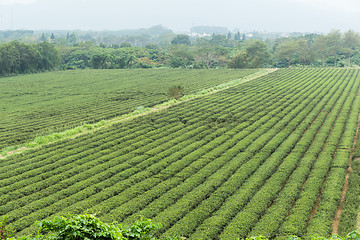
267, 157
38, 104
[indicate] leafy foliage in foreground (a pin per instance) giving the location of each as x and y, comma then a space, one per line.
354, 235
88, 226
5, 231
79, 227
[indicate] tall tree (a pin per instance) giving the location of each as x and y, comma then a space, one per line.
17, 57
258, 53
181, 39
99, 60
351, 43
241, 60
181, 56
243, 38
220, 40
237, 36
72, 39
285, 51
320, 47
49, 56
304, 52
28, 57
43, 38
210, 55
229, 35
333, 42
7, 59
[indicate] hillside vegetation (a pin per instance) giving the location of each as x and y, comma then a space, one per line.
267, 157
101, 51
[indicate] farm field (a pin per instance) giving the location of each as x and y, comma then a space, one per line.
39, 104
267, 157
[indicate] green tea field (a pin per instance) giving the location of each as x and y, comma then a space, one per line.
34, 105
266, 157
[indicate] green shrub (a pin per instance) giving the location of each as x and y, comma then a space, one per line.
88, 227
176, 92
141, 229
5, 231
79, 227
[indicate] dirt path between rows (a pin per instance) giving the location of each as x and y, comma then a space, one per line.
346, 185
19, 150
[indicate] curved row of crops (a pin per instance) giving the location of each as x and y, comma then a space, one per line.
267, 157
48, 102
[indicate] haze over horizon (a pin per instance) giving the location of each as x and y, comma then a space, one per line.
180, 16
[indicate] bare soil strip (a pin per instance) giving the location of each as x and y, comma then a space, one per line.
19, 150
135, 114
346, 186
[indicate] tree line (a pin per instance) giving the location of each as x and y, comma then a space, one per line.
17, 57
218, 51
334, 49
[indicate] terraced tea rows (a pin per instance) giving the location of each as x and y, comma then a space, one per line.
266, 157
43, 103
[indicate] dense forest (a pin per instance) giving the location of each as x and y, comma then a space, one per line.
26, 51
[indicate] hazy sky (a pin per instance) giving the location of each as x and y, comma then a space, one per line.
180, 15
